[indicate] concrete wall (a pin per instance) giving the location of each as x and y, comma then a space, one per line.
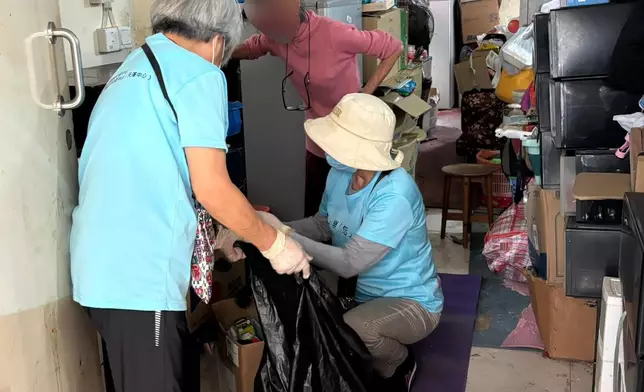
46, 342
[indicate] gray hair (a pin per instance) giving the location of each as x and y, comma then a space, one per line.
199, 20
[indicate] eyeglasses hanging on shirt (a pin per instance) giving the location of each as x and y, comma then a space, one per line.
307, 79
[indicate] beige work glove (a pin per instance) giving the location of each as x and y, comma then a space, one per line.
288, 257
225, 242
272, 220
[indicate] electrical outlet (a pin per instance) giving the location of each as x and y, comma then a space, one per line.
107, 39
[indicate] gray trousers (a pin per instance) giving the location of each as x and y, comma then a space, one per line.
387, 326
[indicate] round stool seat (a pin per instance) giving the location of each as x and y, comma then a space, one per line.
469, 170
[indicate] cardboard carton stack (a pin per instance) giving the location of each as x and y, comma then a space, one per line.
393, 21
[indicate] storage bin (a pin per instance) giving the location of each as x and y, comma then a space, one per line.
533, 149
591, 253
582, 39
581, 113
234, 118
542, 91
550, 161
600, 161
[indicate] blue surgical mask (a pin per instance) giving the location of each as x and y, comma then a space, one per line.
337, 165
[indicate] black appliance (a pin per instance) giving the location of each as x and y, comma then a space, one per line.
582, 39
541, 44
590, 254
600, 161
550, 161
582, 110
542, 91
631, 256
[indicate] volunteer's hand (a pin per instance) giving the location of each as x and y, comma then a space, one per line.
288, 257
272, 220
225, 242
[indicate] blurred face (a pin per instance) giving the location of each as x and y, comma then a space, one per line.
278, 19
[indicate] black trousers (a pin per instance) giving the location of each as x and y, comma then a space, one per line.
148, 351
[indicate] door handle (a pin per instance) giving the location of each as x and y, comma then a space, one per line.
52, 33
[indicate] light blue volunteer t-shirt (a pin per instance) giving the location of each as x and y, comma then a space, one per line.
392, 215
134, 228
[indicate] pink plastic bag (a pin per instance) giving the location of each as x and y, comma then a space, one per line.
506, 247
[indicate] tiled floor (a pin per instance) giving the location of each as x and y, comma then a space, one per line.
497, 369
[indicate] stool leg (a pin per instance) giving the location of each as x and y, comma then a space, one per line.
490, 206
466, 211
446, 191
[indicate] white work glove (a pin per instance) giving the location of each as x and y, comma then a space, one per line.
225, 242
272, 220
288, 257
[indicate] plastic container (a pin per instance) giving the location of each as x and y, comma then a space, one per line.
501, 187
234, 118
533, 149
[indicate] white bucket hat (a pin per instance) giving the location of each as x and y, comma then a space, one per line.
358, 133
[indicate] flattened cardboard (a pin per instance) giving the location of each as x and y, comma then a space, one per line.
478, 17
550, 233
473, 73
566, 325
241, 360
601, 186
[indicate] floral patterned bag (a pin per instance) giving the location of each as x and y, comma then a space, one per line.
203, 255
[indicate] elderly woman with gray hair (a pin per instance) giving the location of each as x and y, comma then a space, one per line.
156, 139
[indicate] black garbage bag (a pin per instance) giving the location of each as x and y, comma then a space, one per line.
309, 347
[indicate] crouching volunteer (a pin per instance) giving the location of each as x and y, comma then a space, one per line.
156, 137
373, 213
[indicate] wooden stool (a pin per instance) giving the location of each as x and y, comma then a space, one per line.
467, 172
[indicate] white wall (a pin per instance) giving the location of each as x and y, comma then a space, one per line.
83, 19
46, 341
141, 20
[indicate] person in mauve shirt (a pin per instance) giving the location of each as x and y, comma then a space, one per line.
322, 64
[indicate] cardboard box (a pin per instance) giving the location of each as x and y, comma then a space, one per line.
548, 234
227, 279
239, 362
478, 17
412, 72
394, 22
567, 325
407, 110
378, 6
473, 73
636, 149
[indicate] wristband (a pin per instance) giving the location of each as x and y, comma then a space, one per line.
277, 247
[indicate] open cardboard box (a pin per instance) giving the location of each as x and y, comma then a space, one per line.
472, 74
546, 228
636, 157
227, 279
567, 325
407, 110
239, 362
